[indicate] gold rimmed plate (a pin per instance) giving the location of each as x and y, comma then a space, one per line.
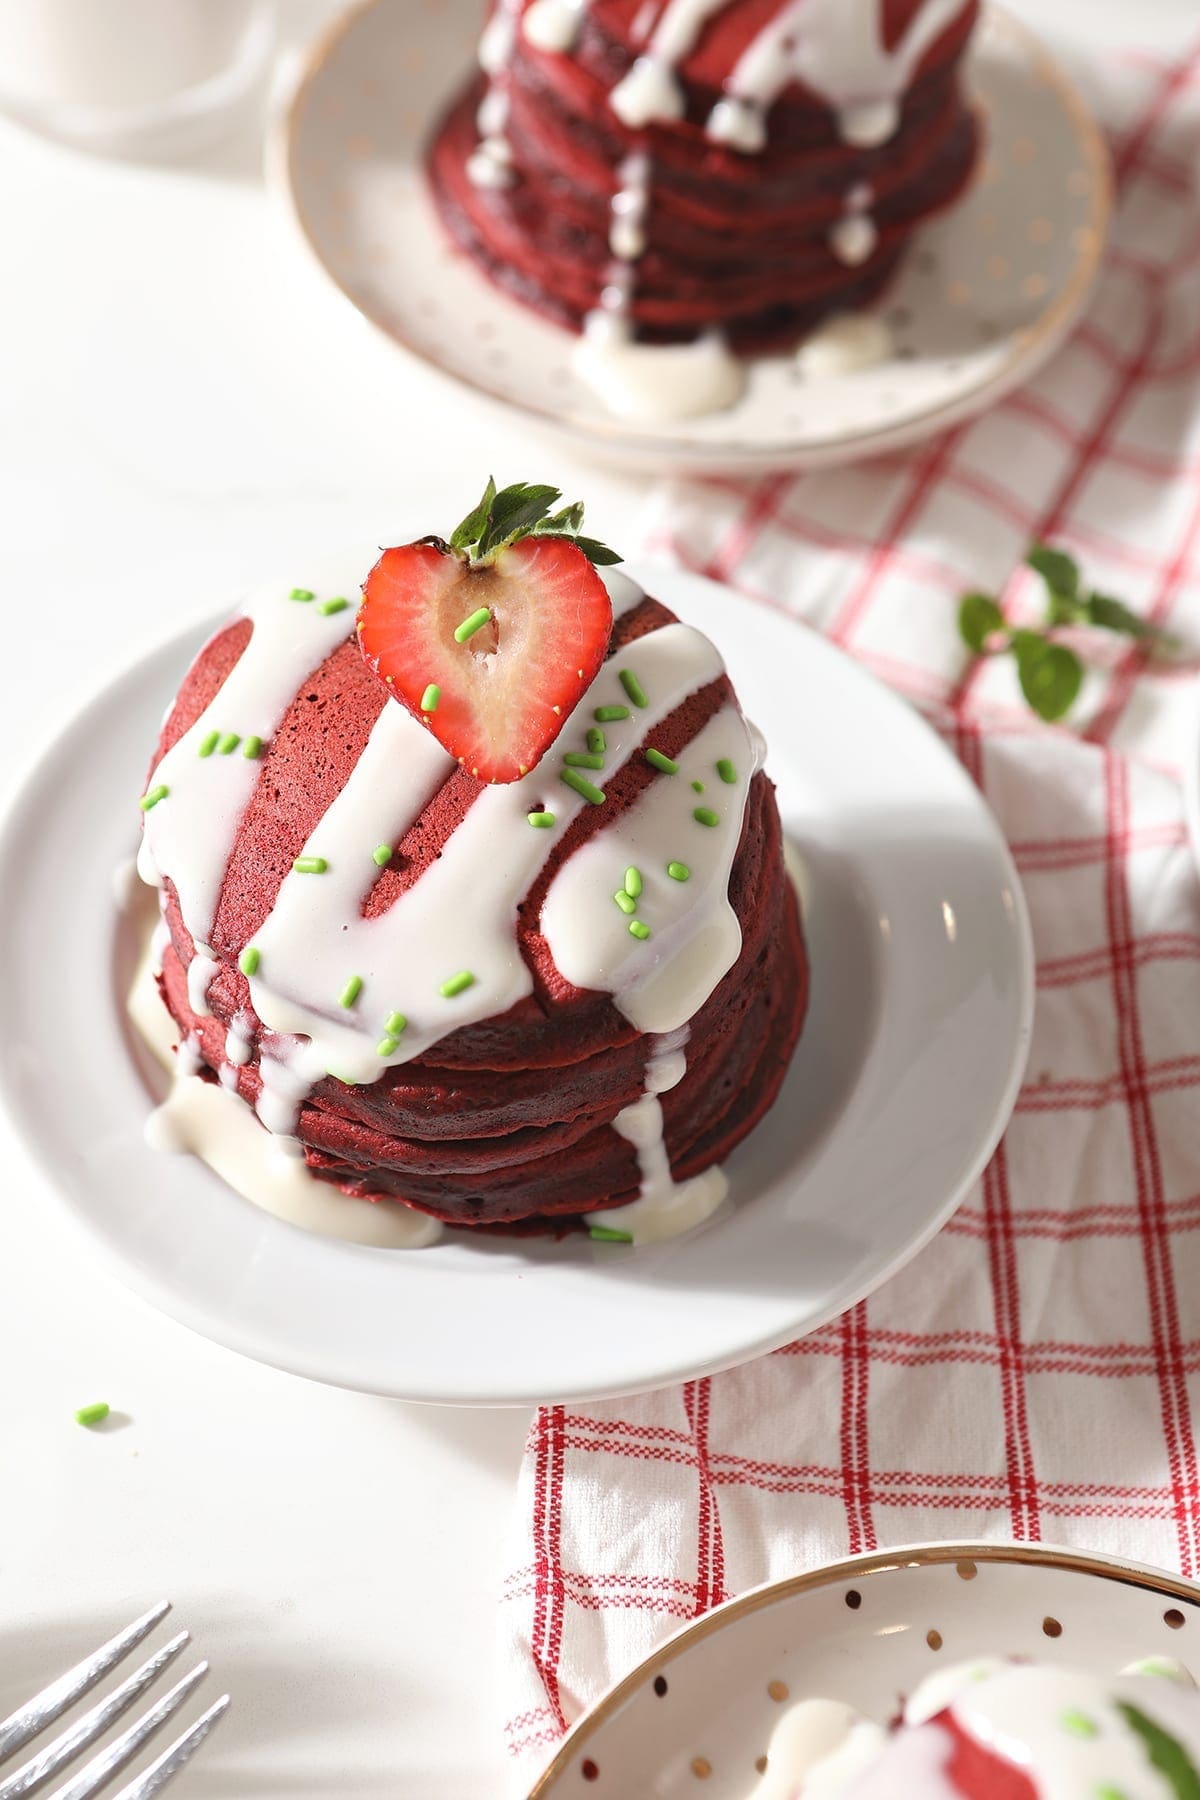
702, 1708
988, 292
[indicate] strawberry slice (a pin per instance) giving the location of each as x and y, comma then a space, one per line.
492, 638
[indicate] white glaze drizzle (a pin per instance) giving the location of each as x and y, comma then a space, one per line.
655, 383
650, 90
843, 343
490, 163
854, 237
553, 24
821, 1743
627, 227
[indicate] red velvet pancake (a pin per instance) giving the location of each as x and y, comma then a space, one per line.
509, 1119
744, 242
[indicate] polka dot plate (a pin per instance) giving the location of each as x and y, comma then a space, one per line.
987, 293
696, 1717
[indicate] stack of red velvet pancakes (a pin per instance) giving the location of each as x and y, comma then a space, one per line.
680, 166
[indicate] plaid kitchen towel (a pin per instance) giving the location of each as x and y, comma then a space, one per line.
1032, 1373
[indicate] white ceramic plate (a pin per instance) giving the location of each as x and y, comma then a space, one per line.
990, 290
865, 1631
904, 1078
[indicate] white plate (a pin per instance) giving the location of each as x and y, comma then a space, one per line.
904, 1078
865, 1631
987, 294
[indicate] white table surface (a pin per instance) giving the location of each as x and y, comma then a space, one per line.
185, 407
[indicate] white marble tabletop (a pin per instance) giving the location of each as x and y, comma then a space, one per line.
186, 407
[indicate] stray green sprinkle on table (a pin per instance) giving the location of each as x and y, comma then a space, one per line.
596, 741
94, 1414
351, 991
456, 984
381, 855
633, 882
543, 820
208, 743
604, 1234
338, 604
697, 787
472, 624
726, 771
704, 815
251, 748
582, 785
639, 929
657, 760
625, 901
310, 865
608, 715
679, 871
302, 594
229, 743
430, 698
386, 1045
394, 1024
154, 796
633, 687
249, 960
583, 759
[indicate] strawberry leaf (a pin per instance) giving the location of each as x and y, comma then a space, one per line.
506, 516
597, 553
475, 523
515, 512
978, 618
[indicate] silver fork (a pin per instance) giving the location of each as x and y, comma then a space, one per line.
21, 1727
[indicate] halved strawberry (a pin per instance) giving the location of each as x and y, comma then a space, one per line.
491, 639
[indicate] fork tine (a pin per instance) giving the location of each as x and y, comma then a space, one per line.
53, 1701
91, 1725
155, 1778
94, 1775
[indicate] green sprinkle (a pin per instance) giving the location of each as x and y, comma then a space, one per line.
154, 796
679, 871
596, 741
1078, 1724
704, 815
633, 882
543, 820
249, 960
658, 761
229, 743
582, 785
608, 715
471, 625
208, 744
381, 855
302, 594
310, 865
336, 605
583, 759
697, 787
604, 1234
351, 991
430, 698
386, 1045
1106, 1792
93, 1415
638, 930
394, 1024
457, 984
625, 901
251, 748
726, 771
633, 687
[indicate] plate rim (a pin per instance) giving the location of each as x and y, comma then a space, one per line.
924, 1553
151, 1285
1030, 349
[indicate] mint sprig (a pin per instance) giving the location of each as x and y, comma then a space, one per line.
1050, 672
504, 516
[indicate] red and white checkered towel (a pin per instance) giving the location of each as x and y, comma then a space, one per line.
1032, 1373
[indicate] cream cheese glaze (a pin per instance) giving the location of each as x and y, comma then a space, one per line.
462, 912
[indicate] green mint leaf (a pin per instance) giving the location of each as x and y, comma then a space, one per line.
476, 522
978, 618
1050, 676
1114, 615
1059, 571
1166, 1753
